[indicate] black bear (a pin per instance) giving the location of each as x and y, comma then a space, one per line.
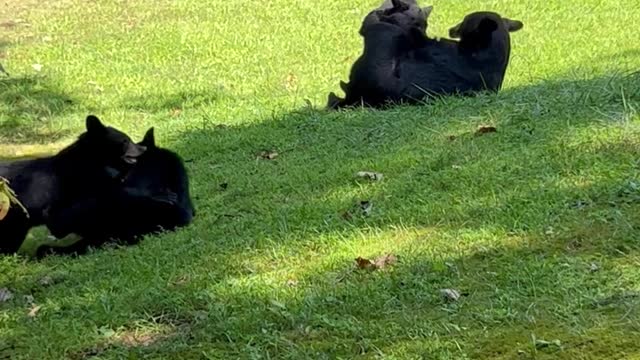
477, 62
391, 33
77, 171
153, 196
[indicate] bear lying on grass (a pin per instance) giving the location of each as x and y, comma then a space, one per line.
400, 65
78, 171
153, 196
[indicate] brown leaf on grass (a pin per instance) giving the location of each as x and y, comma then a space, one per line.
385, 260
5, 295
8, 24
46, 280
182, 280
132, 339
485, 129
34, 311
291, 82
366, 207
268, 155
176, 112
292, 283
541, 344
450, 294
369, 175
378, 263
364, 264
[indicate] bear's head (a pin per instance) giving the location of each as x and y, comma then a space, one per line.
406, 15
479, 28
106, 146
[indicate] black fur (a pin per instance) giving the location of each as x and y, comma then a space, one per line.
403, 13
407, 33
154, 196
78, 171
477, 62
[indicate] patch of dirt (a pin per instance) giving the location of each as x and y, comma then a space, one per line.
134, 339
125, 339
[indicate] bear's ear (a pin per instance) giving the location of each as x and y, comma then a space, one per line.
397, 3
94, 125
344, 86
454, 32
149, 139
512, 25
487, 25
427, 11
333, 101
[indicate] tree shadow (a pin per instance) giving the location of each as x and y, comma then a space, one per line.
516, 218
26, 106
452, 171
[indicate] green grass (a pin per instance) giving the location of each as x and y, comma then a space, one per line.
538, 223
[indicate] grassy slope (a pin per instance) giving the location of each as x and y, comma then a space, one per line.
515, 219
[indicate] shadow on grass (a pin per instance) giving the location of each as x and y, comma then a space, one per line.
536, 223
437, 170
26, 105
171, 102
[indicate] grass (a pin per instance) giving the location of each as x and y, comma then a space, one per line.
537, 224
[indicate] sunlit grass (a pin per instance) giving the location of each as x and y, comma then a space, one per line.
537, 224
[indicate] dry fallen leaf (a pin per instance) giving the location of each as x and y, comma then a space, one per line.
594, 267
8, 197
366, 207
5, 295
291, 82
378, 263
385, 260
34, 311
541, 344
8, 24
5, 204
374, 176
486, 130
29, 299
268, 155
3, 71
175, 112
37, 67
292, 283
46, 280
450, 294
182, 280
364, 264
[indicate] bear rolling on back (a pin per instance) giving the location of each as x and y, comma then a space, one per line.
477, 62
153, 197
391, 33
77, 171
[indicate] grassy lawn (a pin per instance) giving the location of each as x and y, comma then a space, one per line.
538, 224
